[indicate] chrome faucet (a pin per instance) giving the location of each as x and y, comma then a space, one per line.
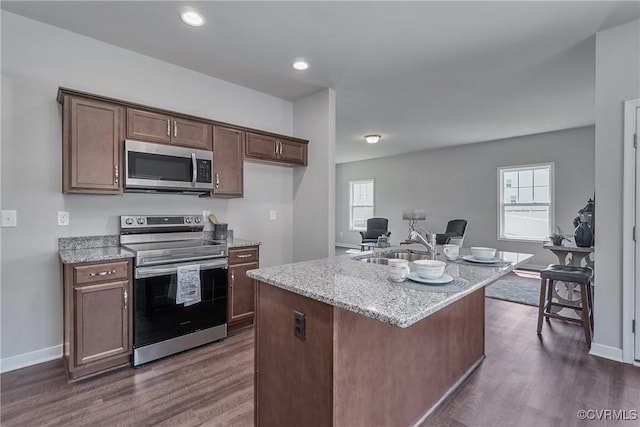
430, 244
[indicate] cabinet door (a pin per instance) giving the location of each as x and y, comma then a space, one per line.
148, 126
191, 133
293, 152
228, 145
241, 293
260, 147
92, 138
101, 321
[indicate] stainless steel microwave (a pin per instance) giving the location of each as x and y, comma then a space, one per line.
153, 167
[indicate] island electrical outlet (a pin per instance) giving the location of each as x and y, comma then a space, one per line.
298, 325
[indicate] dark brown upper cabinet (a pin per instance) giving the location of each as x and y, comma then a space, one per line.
228, 147
156, 127
273, 149
92, 135
94, 128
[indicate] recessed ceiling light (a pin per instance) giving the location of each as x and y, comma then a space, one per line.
372, 139
300, 65
191, 17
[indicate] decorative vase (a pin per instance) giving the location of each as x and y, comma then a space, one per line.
583, 235
557, 240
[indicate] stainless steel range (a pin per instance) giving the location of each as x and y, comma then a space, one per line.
180, 286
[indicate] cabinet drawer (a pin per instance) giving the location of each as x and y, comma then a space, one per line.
101, 272
243, 256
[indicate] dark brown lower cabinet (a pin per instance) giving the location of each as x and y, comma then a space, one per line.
241, 289
97, 317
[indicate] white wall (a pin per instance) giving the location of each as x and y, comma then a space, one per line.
617, 80
461, 182
36, 59
314, 186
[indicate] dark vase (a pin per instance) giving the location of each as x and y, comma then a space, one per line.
583, 235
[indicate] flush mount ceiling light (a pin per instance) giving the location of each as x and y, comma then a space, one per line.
372, 139
300, 65
191, 17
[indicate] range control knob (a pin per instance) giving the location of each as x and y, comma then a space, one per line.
128, 221
187, 220
140, 221
197, 220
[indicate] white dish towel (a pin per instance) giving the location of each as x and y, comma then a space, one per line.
188, 291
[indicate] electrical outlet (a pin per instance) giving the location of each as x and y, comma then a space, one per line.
63, 218
272, 215
9, 218
206, 214
298, 325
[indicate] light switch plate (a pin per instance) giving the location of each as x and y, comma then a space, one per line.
272, 215
63, 218
9, 218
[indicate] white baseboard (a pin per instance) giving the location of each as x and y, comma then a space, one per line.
532, 267
347, 245
606, 352
32, 358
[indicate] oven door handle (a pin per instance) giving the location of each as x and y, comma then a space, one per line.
167, 269
186, 260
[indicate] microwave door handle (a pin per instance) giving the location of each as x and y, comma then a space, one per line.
194, 168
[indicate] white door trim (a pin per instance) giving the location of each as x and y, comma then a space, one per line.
628, 222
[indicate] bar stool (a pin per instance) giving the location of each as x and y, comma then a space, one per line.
580, 275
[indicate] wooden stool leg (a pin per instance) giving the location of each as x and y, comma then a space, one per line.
543, 289
586, 322
550, 288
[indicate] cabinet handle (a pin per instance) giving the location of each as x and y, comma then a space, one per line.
233, 277
276, 147
245, 256
280, 151
168, 127
175, 129
126, 298
102, 273
116, 174
217, 181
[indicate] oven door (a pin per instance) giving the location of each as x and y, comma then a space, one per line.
158, 167
157, 316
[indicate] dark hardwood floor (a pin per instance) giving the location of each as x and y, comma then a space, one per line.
523, 381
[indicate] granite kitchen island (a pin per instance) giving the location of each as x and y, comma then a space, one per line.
367, 351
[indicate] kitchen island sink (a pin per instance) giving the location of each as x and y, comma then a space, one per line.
383, 258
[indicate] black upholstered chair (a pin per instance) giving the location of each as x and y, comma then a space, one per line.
376, 227
455, 229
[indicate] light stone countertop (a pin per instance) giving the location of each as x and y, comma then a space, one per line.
108, 253
241, 243
363, 288
73, 250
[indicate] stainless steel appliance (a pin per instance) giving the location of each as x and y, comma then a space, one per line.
164, 246
220, 231
153, 167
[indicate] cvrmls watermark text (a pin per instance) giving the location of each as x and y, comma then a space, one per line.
608, 414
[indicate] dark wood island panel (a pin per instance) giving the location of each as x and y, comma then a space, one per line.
352, 370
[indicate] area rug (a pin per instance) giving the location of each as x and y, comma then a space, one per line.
522, 292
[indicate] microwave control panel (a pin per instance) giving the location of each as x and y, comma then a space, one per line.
204, 170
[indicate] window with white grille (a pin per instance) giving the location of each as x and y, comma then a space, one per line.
360, 203
525, 202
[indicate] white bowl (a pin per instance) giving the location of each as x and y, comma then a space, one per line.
484, 254
429, 269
